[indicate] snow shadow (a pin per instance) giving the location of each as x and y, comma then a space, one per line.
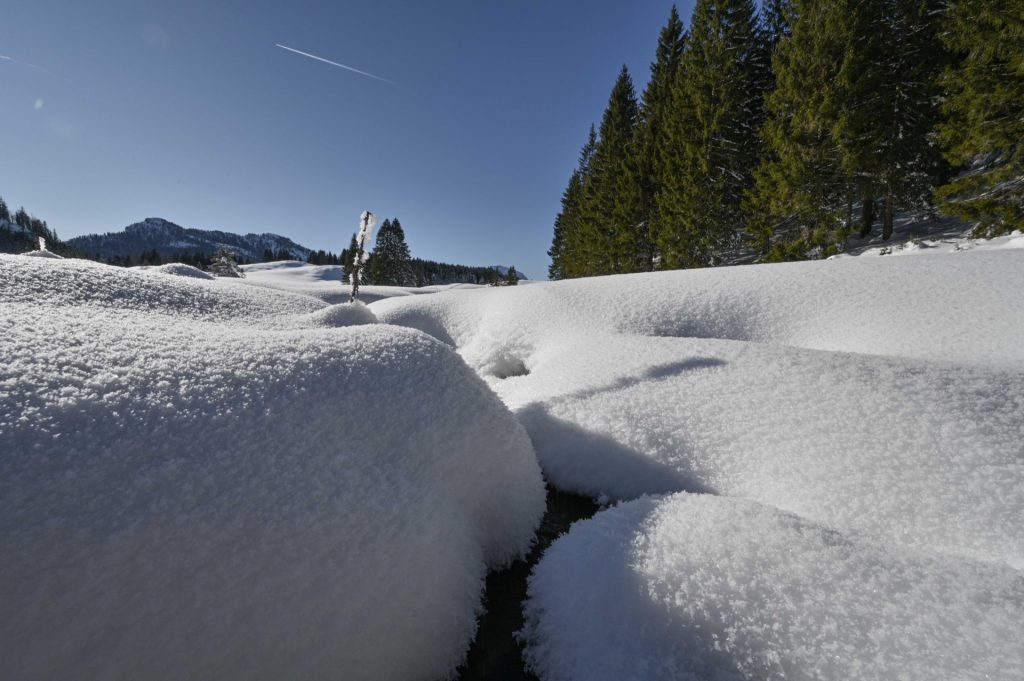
581, 461
658, 372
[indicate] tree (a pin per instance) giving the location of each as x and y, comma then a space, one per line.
651, 145
610, 211
512, 278
984, 129
568, 243
391, 265
849, 120
712, 135
5, 212
223, 264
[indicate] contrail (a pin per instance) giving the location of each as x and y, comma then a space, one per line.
4, 57
333, 63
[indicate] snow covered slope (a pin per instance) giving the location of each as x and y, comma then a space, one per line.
880, 400
199, 480
326, 282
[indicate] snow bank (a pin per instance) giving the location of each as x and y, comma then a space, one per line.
963, 308
703, 587
879, 400
189, 491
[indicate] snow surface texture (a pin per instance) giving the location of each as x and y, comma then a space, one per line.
196, 482
881, 398
177, 269
700, 587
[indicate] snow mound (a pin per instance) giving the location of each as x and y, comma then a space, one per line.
96, 286
702, 587
187, 491
182, 270
344, 314
324, 282
43, 254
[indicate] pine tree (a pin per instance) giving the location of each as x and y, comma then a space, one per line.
512, 278
651, 146
611, 211
391, 264
5, 212
222, 264
850, 120
569, 244
712, 134
985, 107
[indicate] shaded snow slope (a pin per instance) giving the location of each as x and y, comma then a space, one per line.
189, 491
699, 587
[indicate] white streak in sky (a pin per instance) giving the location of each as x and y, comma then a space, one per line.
334, 63
4, 57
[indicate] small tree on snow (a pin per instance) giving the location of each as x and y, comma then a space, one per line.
223, 265
512, 278
367, 221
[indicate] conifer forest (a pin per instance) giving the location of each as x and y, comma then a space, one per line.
782, 133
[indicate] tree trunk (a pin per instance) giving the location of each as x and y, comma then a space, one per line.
887, 218
867, 216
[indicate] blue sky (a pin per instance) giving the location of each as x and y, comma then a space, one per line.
115, 111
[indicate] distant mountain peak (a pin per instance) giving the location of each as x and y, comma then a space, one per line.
170, 239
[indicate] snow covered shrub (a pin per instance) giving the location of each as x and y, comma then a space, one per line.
223, 264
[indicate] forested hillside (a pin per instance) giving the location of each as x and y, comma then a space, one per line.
784, 133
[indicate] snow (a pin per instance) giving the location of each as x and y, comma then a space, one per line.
177, 269
696, 586
326, 282
872, 404
199, 480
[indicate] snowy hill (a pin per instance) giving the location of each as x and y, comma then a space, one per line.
169, 239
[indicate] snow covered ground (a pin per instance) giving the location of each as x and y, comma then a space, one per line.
865, 414
326, 282
203, 479
810, 470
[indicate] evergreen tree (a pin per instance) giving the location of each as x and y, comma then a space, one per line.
569, 244
850, 120
712, 135
512, 278
985, 107
651, 147
611, 212
223, 264
391, 264
5, 212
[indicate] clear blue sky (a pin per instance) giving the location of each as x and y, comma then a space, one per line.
114, 111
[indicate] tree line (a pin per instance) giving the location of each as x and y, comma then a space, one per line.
786, 132
391, 264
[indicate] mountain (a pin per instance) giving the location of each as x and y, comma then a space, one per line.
169, 240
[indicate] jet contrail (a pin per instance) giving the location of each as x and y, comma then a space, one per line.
4, 57
333, 63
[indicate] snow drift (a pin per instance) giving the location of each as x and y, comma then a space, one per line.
703, 587
194, 484
878, 400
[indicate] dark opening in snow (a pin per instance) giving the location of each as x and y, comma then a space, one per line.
496, 655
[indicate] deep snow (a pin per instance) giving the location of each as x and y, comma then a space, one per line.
880, 400
821, 468
198, 481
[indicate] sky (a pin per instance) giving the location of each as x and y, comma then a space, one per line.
466, 128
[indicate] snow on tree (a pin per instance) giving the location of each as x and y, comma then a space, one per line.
223, 264
367, 223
